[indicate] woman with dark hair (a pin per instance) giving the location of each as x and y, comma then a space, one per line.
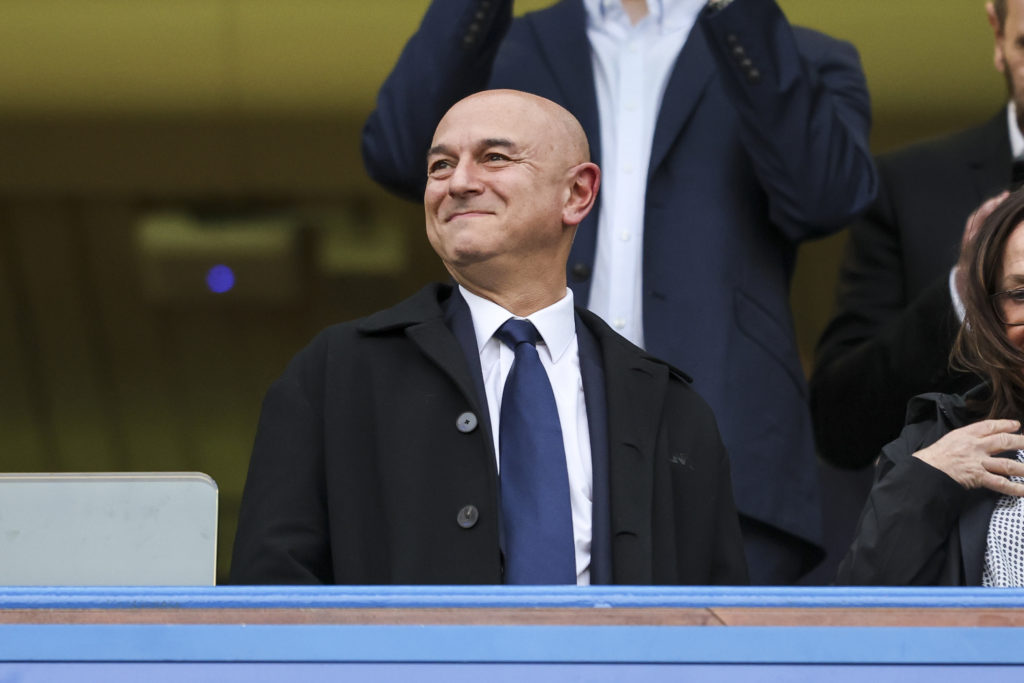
946, 507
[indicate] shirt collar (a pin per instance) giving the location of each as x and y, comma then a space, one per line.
600, 11
556, 323
667, 15
1016, 137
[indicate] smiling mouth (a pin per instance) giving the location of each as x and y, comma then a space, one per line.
467, 214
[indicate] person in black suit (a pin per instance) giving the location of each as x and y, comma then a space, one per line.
946, 507
377, 455
892, 333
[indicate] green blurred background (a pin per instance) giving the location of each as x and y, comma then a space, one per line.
142, 141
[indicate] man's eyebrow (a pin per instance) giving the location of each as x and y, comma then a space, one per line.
1013, 280
497, 142
439, 149
486, 143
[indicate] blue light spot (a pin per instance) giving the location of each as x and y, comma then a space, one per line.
220, 279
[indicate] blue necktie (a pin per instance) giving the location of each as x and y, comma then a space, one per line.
535, 507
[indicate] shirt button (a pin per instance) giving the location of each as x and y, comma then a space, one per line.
619, 323
627, 169
468, 517
466, 422
624, 236
630, 106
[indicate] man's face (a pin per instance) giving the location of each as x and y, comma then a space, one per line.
497, 183
1009, 49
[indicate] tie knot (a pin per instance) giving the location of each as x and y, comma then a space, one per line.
514, 332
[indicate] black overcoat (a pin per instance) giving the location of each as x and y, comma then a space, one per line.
363, 463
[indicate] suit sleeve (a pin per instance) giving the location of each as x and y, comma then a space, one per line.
449, 57
880, 349
903, 537
283, 535
802, 101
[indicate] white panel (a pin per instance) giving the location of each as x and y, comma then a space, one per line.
108, 529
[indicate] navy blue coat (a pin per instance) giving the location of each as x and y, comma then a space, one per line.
749, 159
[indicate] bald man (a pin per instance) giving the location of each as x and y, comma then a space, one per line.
385, 453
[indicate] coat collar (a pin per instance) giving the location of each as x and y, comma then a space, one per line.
422, 318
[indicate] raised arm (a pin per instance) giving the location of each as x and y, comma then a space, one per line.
450, 56
805, 115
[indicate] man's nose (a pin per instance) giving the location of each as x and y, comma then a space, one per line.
465, 179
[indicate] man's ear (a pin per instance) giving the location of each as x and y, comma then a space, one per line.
998, 58
585, 180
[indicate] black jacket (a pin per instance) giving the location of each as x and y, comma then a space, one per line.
919, 526
363, 463
894, 326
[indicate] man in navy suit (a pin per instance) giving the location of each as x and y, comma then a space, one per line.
378, 453
726, 137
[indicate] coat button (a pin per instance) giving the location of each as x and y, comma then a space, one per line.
580, 272
466, 422
754, 76
468, 516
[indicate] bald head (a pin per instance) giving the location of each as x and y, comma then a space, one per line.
508, 180
553, 127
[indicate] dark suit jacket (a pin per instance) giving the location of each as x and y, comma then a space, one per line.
363, 462
891, 336
920, 527
761, 142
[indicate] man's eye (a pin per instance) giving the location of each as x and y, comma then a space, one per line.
496, 156
1016, 295
439, 165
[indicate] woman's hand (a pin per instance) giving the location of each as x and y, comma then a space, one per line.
966, 455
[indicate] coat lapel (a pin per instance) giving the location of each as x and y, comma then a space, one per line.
990, 161
594, 392
635, 389
690, 76
422, 316
973, 530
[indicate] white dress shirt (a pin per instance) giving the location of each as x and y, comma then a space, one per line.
632, 65
559, 354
